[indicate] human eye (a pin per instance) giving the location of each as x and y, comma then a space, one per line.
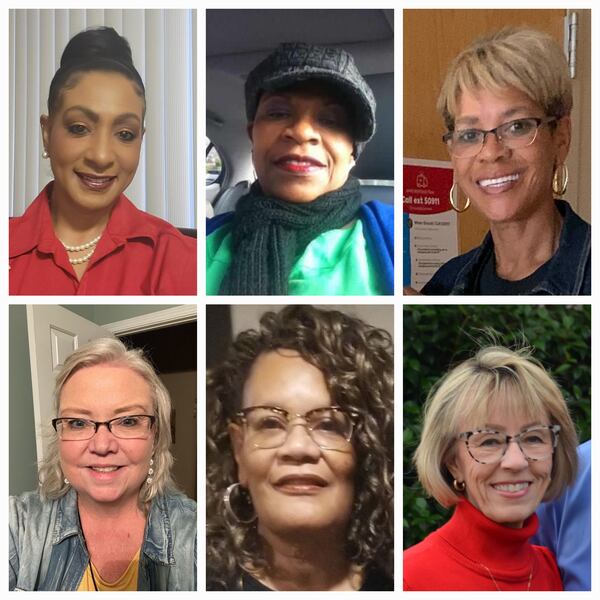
264, 420
75, 424
488, 439
129, 421
518, 127
535, 437
77, 129
126, 135
467, 136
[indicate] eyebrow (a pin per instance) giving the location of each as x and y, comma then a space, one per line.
511, 112
129, 409
95, 117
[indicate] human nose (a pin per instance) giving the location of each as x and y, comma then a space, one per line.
492, 145
298, 444
103, 441
302, 129
514, 457
100, 153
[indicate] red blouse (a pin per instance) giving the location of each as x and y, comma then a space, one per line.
452, 558
138, 254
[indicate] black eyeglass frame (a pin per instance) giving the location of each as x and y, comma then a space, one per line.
554, 429
240, 418
58, 420
447, 137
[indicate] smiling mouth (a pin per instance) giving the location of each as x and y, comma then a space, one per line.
95, 182
104, 469
511, 487
299, 164
498, 181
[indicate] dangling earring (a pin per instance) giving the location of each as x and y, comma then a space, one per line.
560, 179
67, 482
459, 486
454, 199
150, 473
227, 502
45, 153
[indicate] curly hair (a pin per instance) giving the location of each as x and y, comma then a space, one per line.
109, 351
356, 360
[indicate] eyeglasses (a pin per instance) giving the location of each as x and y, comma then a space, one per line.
488, 446
71, 429
330, 428
466, 143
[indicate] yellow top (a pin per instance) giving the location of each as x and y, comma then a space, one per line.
126, 583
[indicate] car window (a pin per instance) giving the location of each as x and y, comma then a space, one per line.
214, 164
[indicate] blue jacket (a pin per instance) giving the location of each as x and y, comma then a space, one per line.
378, 227
47, 549
566, 527
569, 272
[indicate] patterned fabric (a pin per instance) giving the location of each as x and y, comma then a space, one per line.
296, 62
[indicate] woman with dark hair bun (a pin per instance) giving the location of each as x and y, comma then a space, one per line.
300, 456
82, 235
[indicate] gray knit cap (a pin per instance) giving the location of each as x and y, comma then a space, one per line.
294, 62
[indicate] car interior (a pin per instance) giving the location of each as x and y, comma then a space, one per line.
237, 40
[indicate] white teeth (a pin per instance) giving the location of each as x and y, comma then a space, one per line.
511, 487
104, 469
498, 181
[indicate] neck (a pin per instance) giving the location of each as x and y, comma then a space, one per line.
106, 512
308, 562
73, 224
521, 247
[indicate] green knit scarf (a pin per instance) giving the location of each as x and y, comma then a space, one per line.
269, 234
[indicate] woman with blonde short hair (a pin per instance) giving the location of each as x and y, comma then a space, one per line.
497, 440
107, 516
506, 103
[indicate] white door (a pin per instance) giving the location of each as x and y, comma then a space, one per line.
54, 333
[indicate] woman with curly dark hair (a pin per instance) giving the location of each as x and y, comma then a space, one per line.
300, 456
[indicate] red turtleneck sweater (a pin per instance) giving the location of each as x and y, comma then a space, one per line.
453, 557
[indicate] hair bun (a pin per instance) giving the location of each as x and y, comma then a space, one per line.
94, 44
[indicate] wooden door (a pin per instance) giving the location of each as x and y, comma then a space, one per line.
432, 38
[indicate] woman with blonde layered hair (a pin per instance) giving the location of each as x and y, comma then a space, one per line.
497, 440
506, 103
107, 516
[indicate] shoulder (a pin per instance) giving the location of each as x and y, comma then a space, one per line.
29, 512
179, 504
218, 221
29, 503
379, 212
546, 562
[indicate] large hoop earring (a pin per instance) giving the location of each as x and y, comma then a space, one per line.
459, 486
454, 199
247, 501
560, 179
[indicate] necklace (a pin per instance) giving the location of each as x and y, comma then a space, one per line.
494, 581
81, 246
84, 258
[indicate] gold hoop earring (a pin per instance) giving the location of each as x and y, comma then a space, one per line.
459, 486
454, 199
560, 179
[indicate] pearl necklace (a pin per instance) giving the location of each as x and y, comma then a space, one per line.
494, 581
91, 244
82, 246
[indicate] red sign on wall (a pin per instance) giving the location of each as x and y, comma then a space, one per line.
427, 189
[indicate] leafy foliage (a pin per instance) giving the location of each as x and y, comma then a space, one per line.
437, 337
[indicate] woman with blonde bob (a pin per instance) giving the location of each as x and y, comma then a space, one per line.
506, 103
497, 440
107, 516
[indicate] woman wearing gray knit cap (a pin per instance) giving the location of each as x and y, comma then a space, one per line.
302, 229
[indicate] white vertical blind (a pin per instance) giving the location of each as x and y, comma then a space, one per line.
162, 42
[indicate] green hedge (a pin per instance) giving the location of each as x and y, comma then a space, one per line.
438, 337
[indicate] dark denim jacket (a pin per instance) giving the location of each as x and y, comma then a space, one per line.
569, 270
47, 549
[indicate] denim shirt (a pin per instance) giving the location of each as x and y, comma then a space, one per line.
47, 548
569, 270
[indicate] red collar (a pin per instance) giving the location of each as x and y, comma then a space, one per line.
481, 540
34, 228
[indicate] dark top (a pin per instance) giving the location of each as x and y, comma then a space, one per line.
568, 273
375, 581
